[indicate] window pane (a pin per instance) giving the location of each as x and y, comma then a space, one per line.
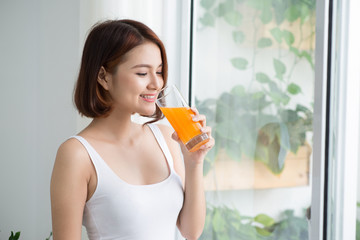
253, 77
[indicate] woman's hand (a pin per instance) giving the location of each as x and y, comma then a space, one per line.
198, 155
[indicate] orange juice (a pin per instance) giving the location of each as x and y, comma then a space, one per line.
180, 119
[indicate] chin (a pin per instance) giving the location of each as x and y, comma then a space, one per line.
147, 112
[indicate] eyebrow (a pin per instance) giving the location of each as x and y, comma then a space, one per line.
145, 65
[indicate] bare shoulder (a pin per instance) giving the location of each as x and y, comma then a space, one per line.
72, 154
72, 149
72, 168
69, 188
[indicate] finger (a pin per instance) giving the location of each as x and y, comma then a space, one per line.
200, 118
195, 110
175, 136
206, 130
210, 144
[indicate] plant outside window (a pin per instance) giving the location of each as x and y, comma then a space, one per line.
260, 105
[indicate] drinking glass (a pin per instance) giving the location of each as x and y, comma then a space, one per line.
180, 115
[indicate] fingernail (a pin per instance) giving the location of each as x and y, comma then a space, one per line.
195, 119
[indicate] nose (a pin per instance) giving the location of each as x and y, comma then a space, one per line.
156, 82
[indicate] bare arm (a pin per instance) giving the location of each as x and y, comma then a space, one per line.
192, 216
68, 190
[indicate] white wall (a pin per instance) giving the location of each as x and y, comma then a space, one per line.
39, 60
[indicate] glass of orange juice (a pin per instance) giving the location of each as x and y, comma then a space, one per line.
179, 114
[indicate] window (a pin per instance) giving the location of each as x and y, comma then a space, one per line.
253, 76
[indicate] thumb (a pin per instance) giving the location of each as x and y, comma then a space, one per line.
175, 137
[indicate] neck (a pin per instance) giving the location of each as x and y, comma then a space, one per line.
116, 127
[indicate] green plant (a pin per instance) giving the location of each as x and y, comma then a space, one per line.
49, 237
223, 223
14, 236
241, 127
261, 120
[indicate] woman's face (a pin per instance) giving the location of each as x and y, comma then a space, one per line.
136, 83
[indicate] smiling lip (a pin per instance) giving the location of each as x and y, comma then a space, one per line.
148, 97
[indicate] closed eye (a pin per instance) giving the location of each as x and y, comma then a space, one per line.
141, 74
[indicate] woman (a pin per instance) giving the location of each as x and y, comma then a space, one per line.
122, 180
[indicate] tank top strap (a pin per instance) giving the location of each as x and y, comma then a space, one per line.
162, 143
95, 158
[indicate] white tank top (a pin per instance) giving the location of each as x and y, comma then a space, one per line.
119, 210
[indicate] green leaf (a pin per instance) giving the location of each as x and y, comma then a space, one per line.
257, 4
280, 68
234, 18
218, 223
207, 20
268, 147
262, 77
289, 115
302, 108
295, 51
264, 219
14, 237
277, 34
288, 37
262, 231
292, 13
266, 15
293, 88
308, 57
50, 235
223, 8
238, 36
297, 132
279, 98
238, 90
207, 4
239, 63
279, 7
264, 42
304, 13
257, 95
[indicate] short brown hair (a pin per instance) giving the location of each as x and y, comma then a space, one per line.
105, 46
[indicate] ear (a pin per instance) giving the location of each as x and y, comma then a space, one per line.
103, 78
